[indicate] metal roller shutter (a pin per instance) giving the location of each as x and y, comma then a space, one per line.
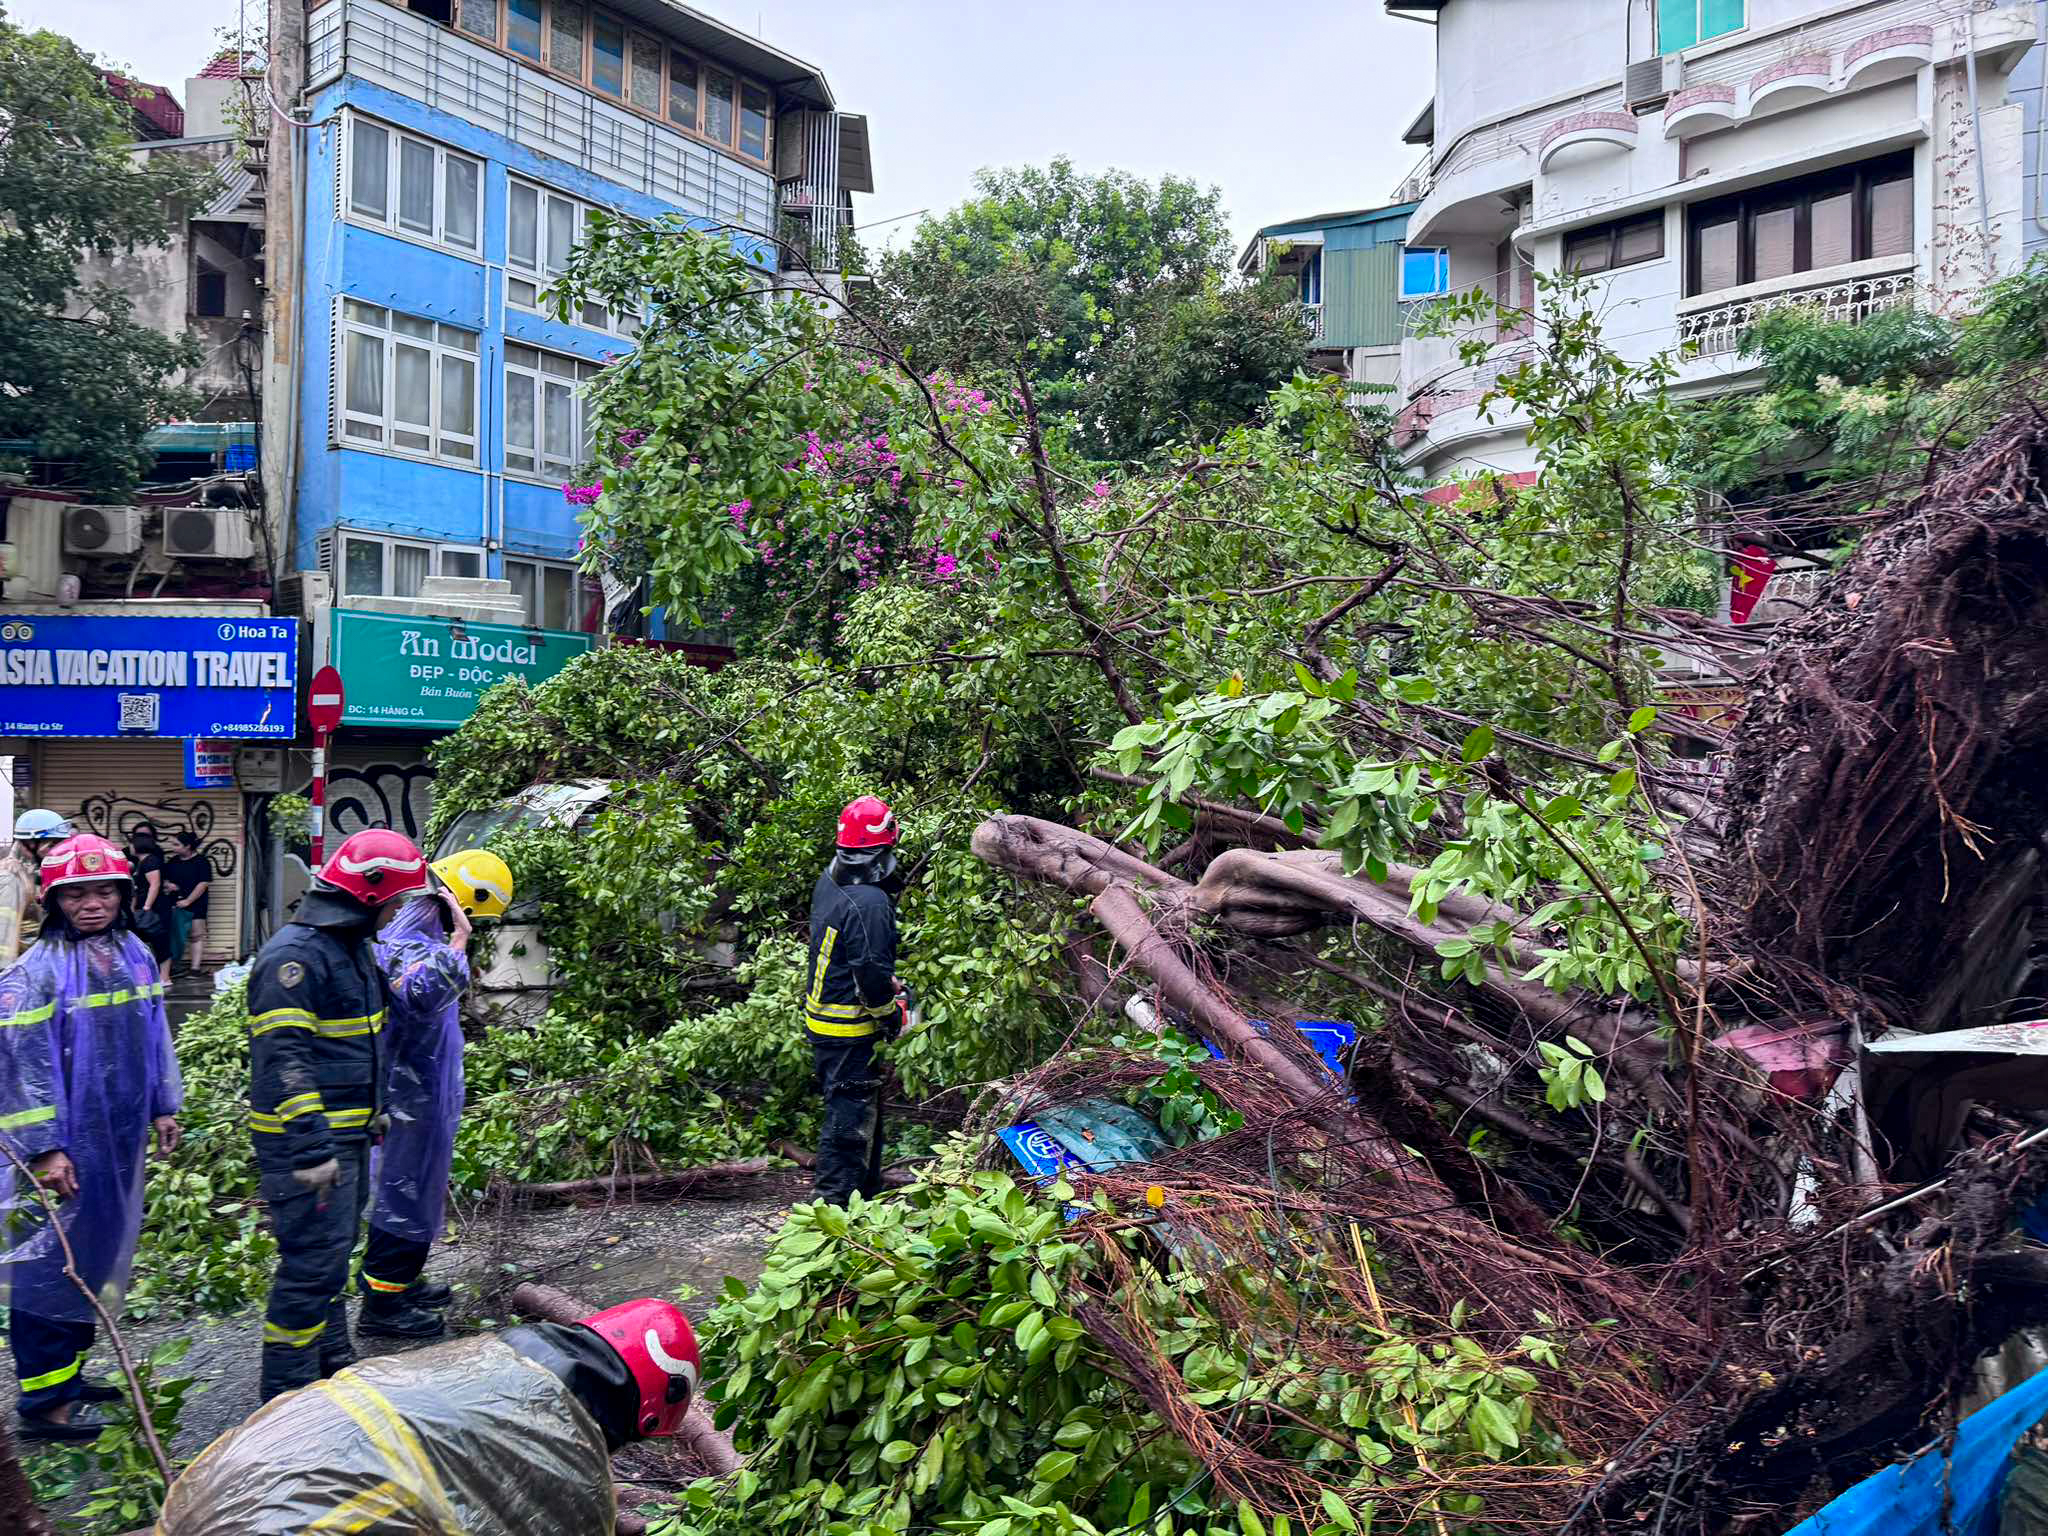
108, 786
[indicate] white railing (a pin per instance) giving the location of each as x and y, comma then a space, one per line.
1417, 184
1719, 328
810, 204
1313, 314
431, 64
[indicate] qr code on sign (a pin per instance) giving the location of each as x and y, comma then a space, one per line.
139, 711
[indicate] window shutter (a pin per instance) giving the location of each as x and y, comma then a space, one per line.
341, 168
323, 551
1677, 24
334, 346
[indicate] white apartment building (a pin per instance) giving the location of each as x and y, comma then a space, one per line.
1709, 160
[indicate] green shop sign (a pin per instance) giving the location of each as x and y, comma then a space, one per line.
403, 671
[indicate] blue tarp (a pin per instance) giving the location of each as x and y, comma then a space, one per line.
1907, 1500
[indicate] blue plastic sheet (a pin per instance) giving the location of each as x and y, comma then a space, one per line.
1907, 1500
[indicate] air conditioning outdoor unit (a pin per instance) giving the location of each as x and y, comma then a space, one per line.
207, 533
102, 530
1652, 82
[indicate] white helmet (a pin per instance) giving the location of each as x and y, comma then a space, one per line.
41, 824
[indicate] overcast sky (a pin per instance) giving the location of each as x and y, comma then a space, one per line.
1290, 109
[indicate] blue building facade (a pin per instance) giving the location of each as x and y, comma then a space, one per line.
447, 174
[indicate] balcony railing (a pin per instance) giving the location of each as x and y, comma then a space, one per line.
1718, 329
1313, 314
431, 64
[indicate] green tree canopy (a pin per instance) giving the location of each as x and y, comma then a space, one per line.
79, 378
1119, 291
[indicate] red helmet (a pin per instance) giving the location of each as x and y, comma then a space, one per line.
867, 823
660, 1349
376, 866
83, 860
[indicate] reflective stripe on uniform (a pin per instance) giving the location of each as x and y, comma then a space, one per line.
297, 1338
276, 1120
55, 1378
108, 999
388, 1287
818, 971
281, 1018
28, 1016
359, 1511
330, 1029
17, 1120
349, 1119
839, 1031
396, 1441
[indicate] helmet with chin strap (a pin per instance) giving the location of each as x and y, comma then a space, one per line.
376, 866
660, 1349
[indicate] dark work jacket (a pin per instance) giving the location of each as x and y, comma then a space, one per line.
316, 1017
853, 959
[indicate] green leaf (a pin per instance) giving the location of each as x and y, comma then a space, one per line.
1608, 752
1054, 1466
1335, 1508
1042, 1290
897, 1452
1248, 1520
1640, 720
1478, 743
1622, 783
1563, 808
1495, 1422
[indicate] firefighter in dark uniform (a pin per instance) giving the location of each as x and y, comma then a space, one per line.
852, 996
316, 1010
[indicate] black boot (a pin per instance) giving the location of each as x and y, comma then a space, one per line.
286, 1369
337, 1350
398, 1319
81, 1428
423, 1292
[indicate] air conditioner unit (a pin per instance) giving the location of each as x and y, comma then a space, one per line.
102, 530
302, 593
207, 533
1652, 82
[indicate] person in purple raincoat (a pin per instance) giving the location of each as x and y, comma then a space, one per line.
422, 948
87, 1080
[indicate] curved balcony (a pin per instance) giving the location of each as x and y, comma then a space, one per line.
1889, 54
1793, 83
1700, 109
1614, 130
1468, 200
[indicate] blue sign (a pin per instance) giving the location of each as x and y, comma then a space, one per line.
209, 764
1330, 1037
91, 674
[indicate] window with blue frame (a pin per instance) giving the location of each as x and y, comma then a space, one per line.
1425, 271
1312, 278
1681, 23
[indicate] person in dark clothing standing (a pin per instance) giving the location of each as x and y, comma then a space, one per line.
316, 1012
152, 894
852, 996
191, 879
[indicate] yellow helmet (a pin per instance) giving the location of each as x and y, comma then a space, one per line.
478, 880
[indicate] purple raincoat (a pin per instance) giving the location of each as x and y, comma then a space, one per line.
85, 1065
423, 1082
